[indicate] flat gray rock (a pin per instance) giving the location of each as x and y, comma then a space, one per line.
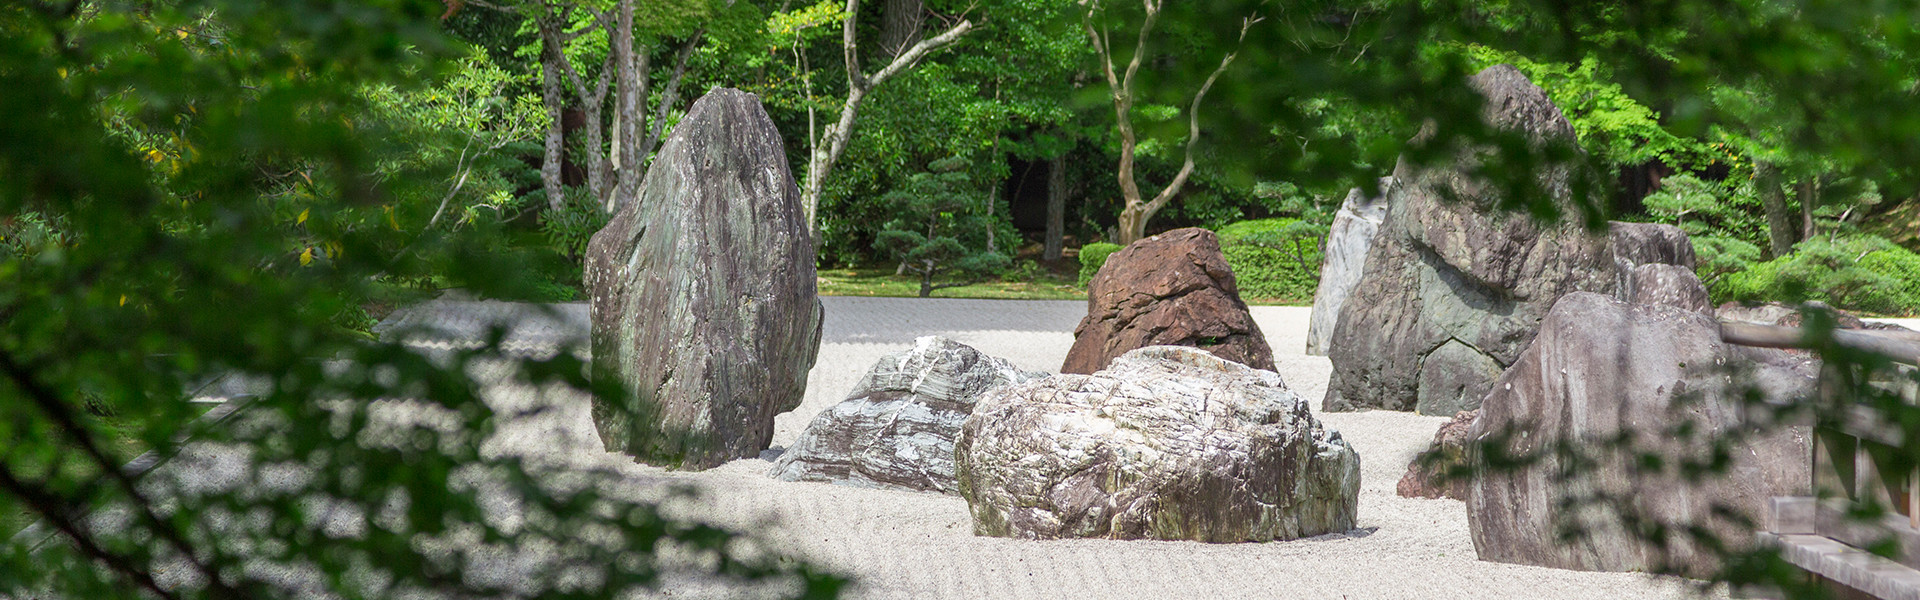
897, 428
1167, 442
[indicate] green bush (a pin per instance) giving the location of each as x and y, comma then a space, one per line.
1092, 257
568, 229
1863, 272
1277, 259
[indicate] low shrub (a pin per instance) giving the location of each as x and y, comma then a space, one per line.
1860, 272
1274, 259
1092, 257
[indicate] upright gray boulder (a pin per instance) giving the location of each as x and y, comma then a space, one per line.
1601, 369
1671, 285
1345, 259
1454, 288
896, 429
704, 305
1167, 442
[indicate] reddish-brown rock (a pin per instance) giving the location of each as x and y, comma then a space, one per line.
1426, 477
1172, 289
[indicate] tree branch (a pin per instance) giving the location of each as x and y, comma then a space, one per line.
51, 404
912, 56
671, 94
1193, 122
850, 46
51, 509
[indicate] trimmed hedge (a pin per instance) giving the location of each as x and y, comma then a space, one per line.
1862, 273
1092, 257
1272, 259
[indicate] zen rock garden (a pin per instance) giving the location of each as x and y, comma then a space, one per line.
1168, 420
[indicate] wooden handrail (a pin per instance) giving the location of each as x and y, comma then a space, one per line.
1899, 349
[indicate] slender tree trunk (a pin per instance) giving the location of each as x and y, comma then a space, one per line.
1056, 207
1808, 191
629, 103
669, 96
1132, 224
551, 96
900, 28
926, 280
1779, 222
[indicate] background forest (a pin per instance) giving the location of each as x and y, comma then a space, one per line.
548, 117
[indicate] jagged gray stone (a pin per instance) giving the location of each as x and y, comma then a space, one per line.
1344, 260
1601, 368
1671, 285
1167, 442
1453, 288
704, 304
897, 428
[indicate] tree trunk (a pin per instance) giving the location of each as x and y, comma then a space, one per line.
550, 95
901, 26
629, 103
1137, 210
926, 280
1808, 191
1780, 230
1133, 224
1056, 207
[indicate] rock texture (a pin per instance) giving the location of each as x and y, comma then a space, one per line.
1670, 285
1636, 244
703, 299
1599, 369
1167, 443
1427, 476
1344, 260
1172, 289
896, 429
1454, 288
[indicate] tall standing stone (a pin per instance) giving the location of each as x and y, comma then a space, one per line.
1454, 288
704, 304
1172, 289
1345, 259
1659, 377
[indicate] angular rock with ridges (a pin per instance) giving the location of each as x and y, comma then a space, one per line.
1167, 442
1453, 288
704, 304
897, 428
1429, 475
1172, 289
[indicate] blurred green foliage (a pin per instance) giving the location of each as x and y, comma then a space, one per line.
223, 188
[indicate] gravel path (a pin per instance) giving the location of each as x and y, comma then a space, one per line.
917, 545
920, 545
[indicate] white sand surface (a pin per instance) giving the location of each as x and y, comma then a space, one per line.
921, 545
